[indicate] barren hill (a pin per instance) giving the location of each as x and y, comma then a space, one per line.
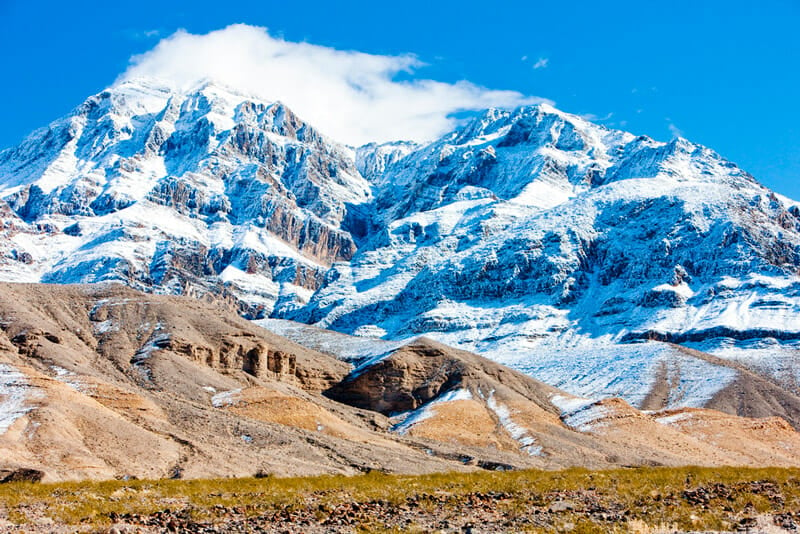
102, 381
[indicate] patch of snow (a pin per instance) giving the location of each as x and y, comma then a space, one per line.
586, 419
71, 379
681, 289
105, 326
569, 404
154, 344
32, 428
427, 410
226, 398
583, 415
543, 195
370, 331
674, 418
139, 360
698, 382
520, 434
60, 371
15, 390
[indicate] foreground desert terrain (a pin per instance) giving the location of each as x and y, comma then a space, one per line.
642, 500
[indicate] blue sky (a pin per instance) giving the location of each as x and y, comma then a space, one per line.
721, 73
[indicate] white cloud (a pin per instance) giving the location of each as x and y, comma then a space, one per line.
352, 96
597, 118
674, 130
140, 35
541, 63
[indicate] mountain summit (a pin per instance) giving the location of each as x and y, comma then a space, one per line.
573, 252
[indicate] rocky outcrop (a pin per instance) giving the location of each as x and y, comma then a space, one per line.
21, 474
311, 236
411, 377
257, 360
423, 370
211, 341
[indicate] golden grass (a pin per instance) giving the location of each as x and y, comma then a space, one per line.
653, 496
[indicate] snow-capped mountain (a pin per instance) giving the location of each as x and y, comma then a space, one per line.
180, 192
545, 241
530, 236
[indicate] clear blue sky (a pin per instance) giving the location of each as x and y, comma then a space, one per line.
722, 73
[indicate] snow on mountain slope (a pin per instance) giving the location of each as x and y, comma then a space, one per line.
528, 233
359, 351
531, 236
372, 159
194, 192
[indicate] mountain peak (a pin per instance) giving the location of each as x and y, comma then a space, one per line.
144, 84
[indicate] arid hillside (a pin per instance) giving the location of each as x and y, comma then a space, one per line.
100, 382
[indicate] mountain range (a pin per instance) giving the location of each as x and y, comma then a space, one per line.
602, 263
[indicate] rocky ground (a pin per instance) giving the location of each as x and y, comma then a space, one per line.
638, 501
